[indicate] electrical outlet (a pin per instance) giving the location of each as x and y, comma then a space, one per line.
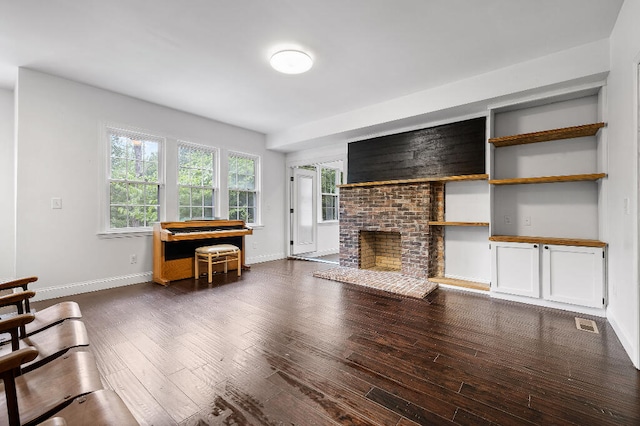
527, 221
133, 259
507, 219
56, 203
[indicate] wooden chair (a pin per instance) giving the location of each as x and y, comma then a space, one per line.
216, 254
50, 343
37, 395
44, 318
103, 407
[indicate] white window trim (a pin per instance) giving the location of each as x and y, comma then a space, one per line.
217, 189
105, 230
258, 183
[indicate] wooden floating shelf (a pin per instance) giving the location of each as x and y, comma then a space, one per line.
417, 180
547, 240
460, 283
548, 135
549, 179
440, 223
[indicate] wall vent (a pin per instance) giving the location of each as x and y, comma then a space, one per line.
586, 325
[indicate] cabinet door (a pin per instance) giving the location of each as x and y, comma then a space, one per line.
516, 268
573, 275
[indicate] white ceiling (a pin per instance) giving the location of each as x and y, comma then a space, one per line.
210, 57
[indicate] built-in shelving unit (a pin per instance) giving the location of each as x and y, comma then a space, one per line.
459, 232
548, 135
578, 242
545, 247
549, 179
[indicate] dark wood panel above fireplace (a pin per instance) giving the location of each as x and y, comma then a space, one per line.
450, 149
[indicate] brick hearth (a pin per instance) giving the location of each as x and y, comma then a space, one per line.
403, 208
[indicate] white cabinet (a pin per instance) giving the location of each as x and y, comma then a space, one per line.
558, 273
573, 275
515, 269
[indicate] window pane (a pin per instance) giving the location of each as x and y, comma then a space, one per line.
250, 183
242, 199
207, 177
208, 197
233, 214
208, 213
118, 168
118, 217
196, 212
136, 194
152, 215
196, 177
196, 197
150, 152
251, 215
251, 199
118, 192
118, 146
233, 198
151, 172
185, 196
185, 213
151, 195
136, 216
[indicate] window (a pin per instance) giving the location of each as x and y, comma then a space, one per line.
243, 187
329, 179
134, 179
196, 182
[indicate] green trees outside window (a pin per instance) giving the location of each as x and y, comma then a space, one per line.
243, 193
196, 182
134, 180
329, 179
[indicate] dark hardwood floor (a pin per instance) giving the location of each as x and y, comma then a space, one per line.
280, 347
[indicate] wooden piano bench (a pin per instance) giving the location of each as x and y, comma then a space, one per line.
216, 254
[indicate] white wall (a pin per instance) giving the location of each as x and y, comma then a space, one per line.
624, 304
7, 192
60, 154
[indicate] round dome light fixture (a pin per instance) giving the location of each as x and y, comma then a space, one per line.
291, 61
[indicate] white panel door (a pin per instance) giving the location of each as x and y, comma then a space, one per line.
573, 275
304, 212
516, 268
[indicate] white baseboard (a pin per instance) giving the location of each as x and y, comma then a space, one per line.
94, 285
627, 344
265, 258
596, 312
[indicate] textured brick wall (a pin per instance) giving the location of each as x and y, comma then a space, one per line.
401, 208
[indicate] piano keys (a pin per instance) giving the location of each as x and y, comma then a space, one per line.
174, 245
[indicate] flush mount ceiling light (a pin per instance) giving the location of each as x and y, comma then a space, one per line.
291, 62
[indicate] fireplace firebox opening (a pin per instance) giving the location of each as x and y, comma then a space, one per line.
380, 251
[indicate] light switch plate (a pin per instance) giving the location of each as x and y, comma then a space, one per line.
56, 203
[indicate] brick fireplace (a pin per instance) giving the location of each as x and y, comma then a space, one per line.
393, 213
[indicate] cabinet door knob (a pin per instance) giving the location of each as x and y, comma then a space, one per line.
535, 246
546, 247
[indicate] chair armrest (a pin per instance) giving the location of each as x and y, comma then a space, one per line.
13, 360
16, 298
12, 323
20, 282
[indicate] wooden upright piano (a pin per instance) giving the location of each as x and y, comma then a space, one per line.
174, 245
